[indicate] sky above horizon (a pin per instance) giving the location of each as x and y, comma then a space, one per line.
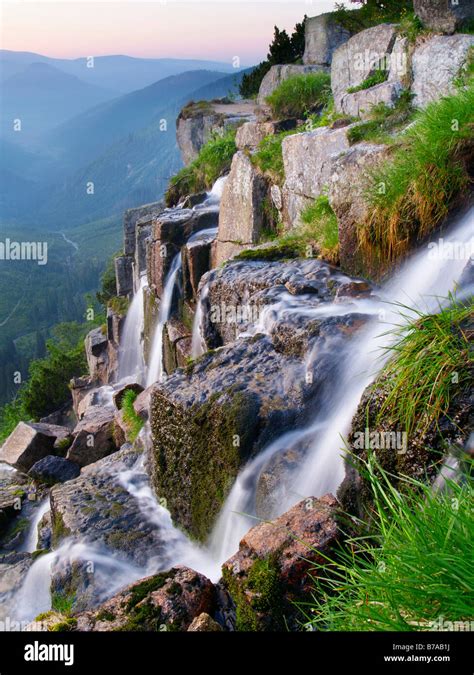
218, 30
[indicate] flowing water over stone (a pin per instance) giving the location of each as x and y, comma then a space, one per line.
131, 362
424, 282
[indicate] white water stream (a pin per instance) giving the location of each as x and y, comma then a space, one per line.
424, 283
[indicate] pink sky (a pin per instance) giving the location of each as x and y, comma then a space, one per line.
217, 30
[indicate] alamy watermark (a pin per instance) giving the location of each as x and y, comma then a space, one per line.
440, 624
381, 440
24, 250
450, 250
234, 314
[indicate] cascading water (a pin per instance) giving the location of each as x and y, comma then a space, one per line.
198, 346
31, 539
423, 282
155, 368
131, 363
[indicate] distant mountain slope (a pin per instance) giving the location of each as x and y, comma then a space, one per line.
43, 97
133, 170
83, 138
117, 72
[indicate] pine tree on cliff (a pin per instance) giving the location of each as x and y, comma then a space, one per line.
283, 49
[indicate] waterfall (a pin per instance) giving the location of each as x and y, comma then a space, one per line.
198, 345
31, 540
131, 362
155, 369
424, 282
213, 198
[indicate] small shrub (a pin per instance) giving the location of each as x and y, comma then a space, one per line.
383, 121
269, 156
119, 305
321, 228
300, 95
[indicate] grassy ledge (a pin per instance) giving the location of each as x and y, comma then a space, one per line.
300, 95
133, 421
213, 161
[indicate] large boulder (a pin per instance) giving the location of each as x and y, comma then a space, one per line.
444, 16
277, 74
347, 196
308, 160
241, 217
169, 601
271, 569
30, 442
208, 421
362, 56
93, 436
323, 35
435, 65
116, 528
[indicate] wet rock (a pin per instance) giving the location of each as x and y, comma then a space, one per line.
444, 17
323, 35
130, 219
271, 569
44, 532
30, 442
96, 346
349, 178
169, 601
225, 408
435, 65
239, 292
13, 489
204, 624
142, 403
169, 233
417, 455
53, 469
13, 570
177, 345
196, 258
241, 217
80, 387
93, 436
277, 74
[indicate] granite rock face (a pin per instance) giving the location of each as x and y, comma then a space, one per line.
93, 436
435, 65
444, 16
323, 35
198, 121
96, 346
241, 217
271, 568
362, 56
308, 160
348, 200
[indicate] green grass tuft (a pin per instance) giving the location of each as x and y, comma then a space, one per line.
378, 77
300, 95
411, 193
132, 419
213, 161
414, 569
430, 362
